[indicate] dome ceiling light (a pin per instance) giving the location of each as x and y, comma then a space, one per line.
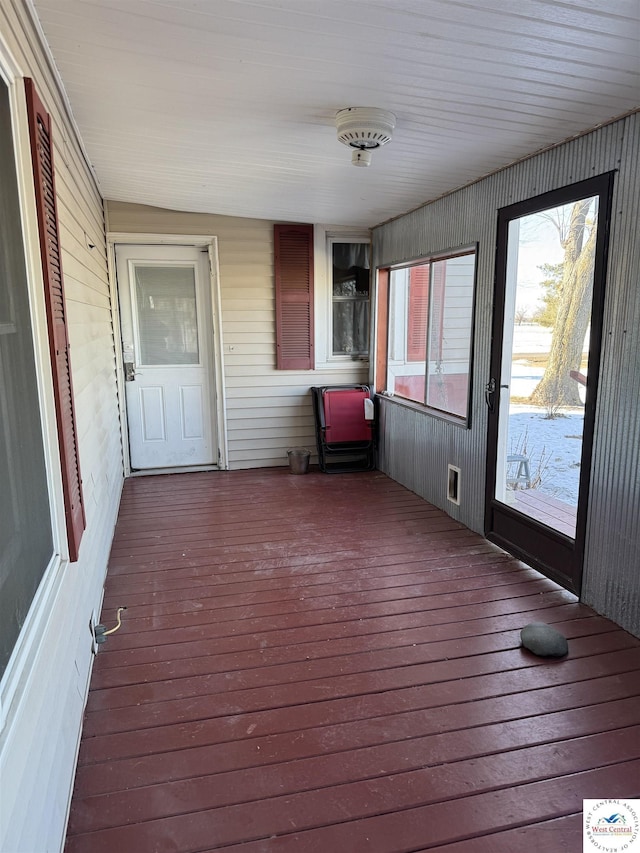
363, 129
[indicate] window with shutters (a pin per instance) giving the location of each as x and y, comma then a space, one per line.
429, 330
46, 206
293, 261
26, 537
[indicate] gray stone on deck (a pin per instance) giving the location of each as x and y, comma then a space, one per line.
544, 641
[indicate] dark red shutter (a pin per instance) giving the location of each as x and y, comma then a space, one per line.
293, 251
418, 313
45, 192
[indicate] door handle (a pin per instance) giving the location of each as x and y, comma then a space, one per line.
129, 371
489, 393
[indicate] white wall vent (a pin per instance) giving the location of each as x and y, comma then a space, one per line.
453, 484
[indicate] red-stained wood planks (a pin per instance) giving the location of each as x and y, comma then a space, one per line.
329, 663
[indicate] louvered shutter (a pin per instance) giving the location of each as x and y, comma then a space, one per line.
418, 313
45, 192
293, 251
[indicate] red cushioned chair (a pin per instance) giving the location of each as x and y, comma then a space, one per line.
345, 428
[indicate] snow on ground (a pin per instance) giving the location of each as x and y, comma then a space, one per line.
528, 337
553, 447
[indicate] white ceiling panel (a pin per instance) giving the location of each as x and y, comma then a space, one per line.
227, 106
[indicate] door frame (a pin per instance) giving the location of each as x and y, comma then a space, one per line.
542, 547
206, 243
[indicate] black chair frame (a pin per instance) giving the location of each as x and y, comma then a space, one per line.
341, 457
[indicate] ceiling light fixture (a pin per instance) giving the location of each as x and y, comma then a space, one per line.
363, 129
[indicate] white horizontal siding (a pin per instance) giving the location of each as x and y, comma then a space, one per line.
39, 741
254, 388
270, 410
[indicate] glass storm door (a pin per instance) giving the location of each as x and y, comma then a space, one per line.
166, 346
541, 395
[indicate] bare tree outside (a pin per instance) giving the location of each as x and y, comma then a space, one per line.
577, 235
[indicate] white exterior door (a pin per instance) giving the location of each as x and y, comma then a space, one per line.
166, 319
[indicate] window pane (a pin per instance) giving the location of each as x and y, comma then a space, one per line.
167, 318
350, 327
430, 314
545, 361
408, 310
350, 295
451, 317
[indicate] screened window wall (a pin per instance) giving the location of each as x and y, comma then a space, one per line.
430, 330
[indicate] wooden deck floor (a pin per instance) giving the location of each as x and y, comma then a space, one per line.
328, 664
557, 514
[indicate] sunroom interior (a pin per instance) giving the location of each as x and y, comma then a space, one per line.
317, 662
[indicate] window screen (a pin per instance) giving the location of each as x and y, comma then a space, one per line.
430, 329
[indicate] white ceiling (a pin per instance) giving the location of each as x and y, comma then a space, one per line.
227, 106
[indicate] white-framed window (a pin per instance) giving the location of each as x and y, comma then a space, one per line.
343, 296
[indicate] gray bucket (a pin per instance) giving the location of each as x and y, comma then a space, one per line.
299, 460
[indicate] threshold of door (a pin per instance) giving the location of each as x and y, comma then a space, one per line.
144, 472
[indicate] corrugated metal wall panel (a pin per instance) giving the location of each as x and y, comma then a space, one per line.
415, 448
612, 572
